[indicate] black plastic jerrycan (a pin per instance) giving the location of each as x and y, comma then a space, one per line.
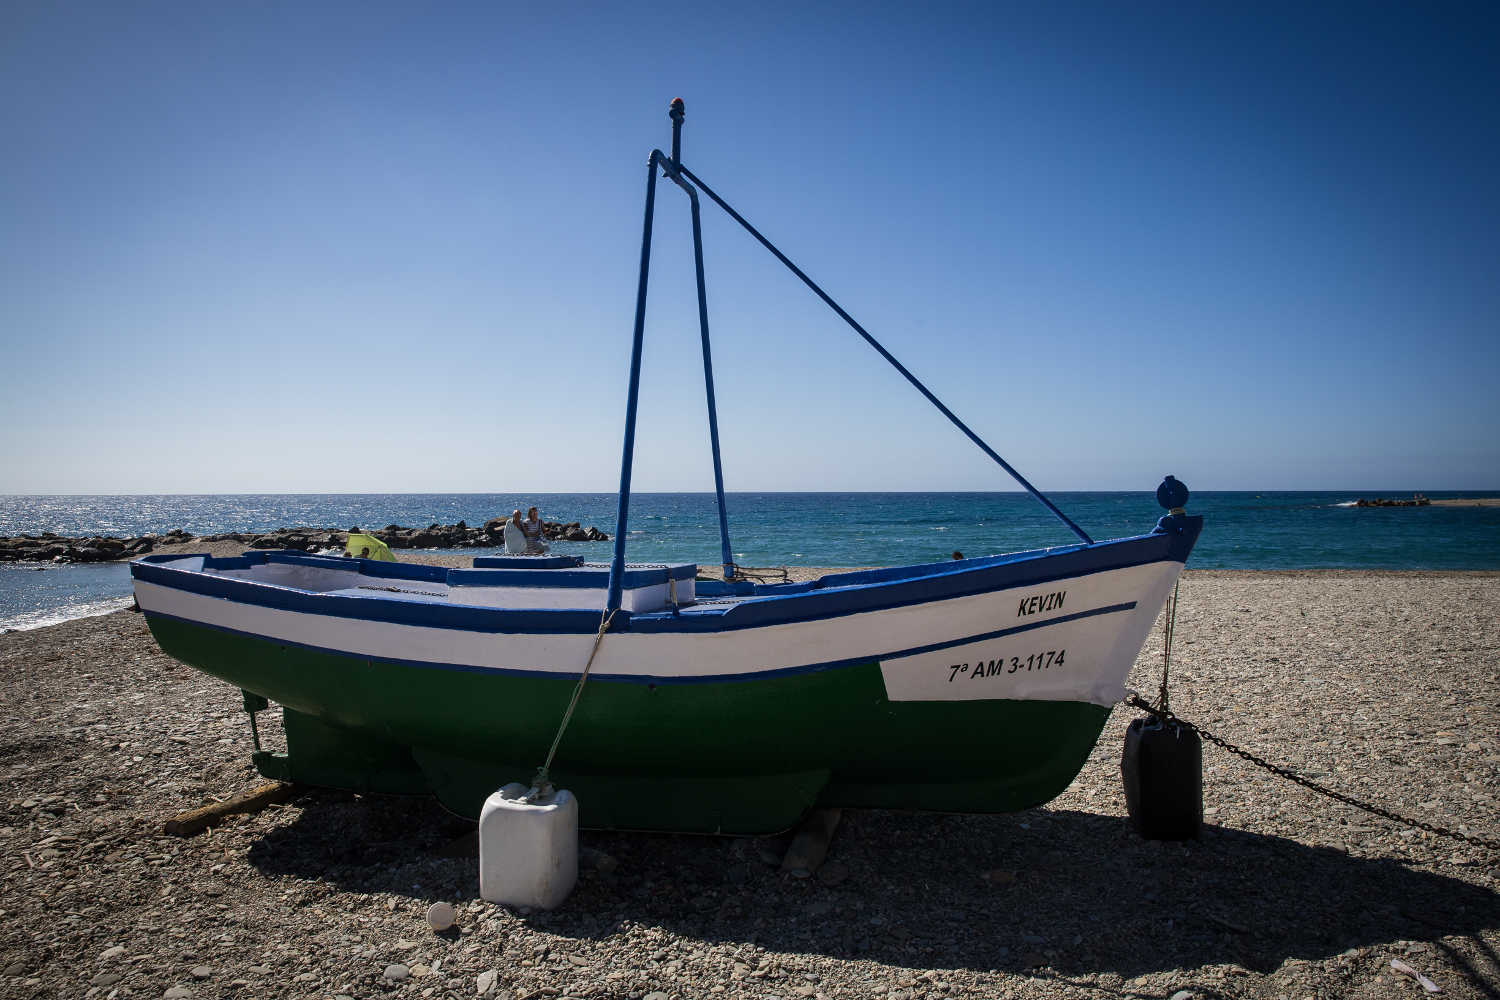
1163, 771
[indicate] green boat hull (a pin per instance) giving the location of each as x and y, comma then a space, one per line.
734, 756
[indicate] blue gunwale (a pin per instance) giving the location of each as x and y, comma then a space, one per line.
834, 596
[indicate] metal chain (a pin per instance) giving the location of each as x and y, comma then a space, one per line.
1136, 701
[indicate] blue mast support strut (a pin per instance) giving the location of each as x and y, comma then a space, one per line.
708, 385
677, 114
873, 343
617, 562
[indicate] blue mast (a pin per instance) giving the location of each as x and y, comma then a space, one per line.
684, 178
617, 562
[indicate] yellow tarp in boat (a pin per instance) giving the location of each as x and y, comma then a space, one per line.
369, 547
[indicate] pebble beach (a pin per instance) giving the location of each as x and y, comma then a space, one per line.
1383, 685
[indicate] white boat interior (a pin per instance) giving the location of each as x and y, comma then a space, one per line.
514, 582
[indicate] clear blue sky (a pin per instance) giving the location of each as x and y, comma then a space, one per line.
1253, 245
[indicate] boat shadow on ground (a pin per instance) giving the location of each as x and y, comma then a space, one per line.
1070, 891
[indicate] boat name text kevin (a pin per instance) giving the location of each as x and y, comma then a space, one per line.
1041, 602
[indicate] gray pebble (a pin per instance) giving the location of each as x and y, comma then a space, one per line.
396, 973
441, 916
177, 993
201, 972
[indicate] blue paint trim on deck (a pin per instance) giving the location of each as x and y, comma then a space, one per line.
582, 577
527, 562
290, 557
433, 614
528, 574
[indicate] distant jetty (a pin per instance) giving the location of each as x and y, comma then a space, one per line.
1421, 500
1468, 502
1417, 500
48, 547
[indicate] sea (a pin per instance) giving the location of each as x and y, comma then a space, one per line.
1242, 530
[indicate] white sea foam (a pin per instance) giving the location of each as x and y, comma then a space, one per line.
56, 616
1346, 503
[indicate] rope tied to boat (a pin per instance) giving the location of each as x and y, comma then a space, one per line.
541, 785
1169, 629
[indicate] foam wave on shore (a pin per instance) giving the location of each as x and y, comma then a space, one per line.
33, 595
43, 617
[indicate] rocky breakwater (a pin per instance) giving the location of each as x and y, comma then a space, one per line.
48, 547
1417, 500
434, 536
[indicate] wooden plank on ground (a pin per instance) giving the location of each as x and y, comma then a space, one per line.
254, 800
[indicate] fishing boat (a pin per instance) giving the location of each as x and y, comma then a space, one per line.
667, 700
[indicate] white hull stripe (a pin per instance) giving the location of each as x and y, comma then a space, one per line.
640, 678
